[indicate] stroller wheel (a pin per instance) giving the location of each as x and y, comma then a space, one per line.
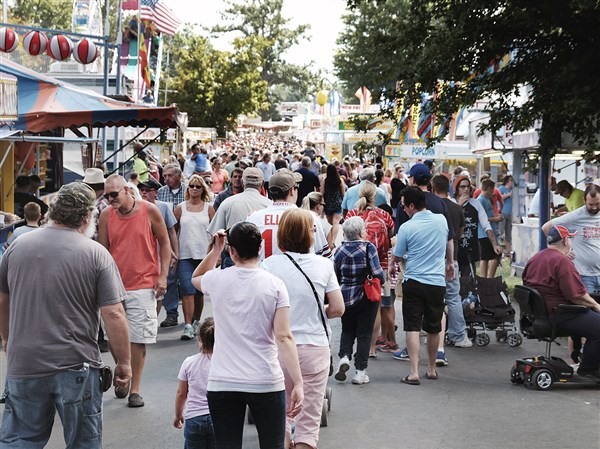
514, 340
447, 340
482, 339
501, 335
324, 417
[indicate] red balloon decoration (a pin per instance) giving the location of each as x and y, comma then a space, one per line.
35, 43
60, 47
85, 51
9, 40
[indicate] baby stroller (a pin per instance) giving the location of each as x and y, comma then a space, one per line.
487, 307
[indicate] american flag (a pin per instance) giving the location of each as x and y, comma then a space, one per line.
162, 16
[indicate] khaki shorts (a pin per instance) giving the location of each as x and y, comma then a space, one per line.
140, 307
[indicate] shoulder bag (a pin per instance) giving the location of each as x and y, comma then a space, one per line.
372, 285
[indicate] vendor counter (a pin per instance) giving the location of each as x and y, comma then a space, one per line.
525, 242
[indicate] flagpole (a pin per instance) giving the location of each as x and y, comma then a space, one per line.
139, 20
158, 69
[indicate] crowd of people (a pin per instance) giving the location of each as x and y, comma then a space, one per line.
280, 240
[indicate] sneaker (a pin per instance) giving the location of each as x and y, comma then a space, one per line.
170, 321
440, 359
188, 332
389, 347
135, 400
343, 367
401, 355
464, 343
196, 326
360, 378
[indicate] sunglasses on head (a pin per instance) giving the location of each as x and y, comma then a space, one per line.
113, 194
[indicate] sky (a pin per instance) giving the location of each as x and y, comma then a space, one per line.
324, 17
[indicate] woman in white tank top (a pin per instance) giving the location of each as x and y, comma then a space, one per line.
193, 216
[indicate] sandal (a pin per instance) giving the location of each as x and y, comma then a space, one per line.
433, 376
408, 381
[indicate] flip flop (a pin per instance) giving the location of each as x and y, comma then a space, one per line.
408, 381
433, 376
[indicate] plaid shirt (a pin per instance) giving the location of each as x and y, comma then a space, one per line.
351, 268
165, 194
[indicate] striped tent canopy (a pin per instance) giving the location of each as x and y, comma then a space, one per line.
45, 103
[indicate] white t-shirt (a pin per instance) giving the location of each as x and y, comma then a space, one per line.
305, 317
267, 221
194, 370
244, 302
586, 244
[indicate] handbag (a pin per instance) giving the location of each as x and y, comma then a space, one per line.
321, 311
372, 285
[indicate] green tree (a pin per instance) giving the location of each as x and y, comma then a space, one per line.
215, 87
264, 19
368, 47
553, 48
54, 14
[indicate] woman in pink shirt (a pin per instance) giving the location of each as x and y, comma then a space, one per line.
219, 176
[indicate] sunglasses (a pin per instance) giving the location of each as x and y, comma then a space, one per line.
195, 186
113, 195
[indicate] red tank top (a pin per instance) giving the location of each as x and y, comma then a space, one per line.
134, 248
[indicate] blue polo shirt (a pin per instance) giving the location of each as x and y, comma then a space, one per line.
422, 240
353, 194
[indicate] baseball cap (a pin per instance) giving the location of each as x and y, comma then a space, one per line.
253, 176
419, 171
557, 233
283, 180
150, 184
77, 196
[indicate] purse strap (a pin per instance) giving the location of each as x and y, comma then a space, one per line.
321, 311
369, 272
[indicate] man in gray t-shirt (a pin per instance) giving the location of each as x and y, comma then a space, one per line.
53, 283
586, 244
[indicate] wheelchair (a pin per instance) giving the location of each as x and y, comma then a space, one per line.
543, 371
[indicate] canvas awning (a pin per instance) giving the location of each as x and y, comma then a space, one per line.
46, 103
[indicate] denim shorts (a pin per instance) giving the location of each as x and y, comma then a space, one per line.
32, 402
185, 269
198, 433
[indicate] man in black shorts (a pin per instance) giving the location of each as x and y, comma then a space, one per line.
422, 242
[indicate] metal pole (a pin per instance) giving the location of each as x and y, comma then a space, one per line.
544, 197
168, 77
116, 139
158, 69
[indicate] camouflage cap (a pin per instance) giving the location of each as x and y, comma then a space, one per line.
75, 196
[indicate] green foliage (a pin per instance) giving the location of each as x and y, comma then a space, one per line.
54, 14
215, 87
553, 46
264, 20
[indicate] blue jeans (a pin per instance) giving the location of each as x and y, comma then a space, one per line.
457, 326
32, 403
228, 408
592, 284
198, 433
171, 299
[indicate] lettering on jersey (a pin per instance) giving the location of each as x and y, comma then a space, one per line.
271, 220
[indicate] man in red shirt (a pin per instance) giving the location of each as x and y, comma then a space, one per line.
131, 229
552, 273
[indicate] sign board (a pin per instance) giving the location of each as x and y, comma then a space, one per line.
201, 135
349, 109
149, 134
413, 151
9, 98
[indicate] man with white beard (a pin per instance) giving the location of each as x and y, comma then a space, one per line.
53, 282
